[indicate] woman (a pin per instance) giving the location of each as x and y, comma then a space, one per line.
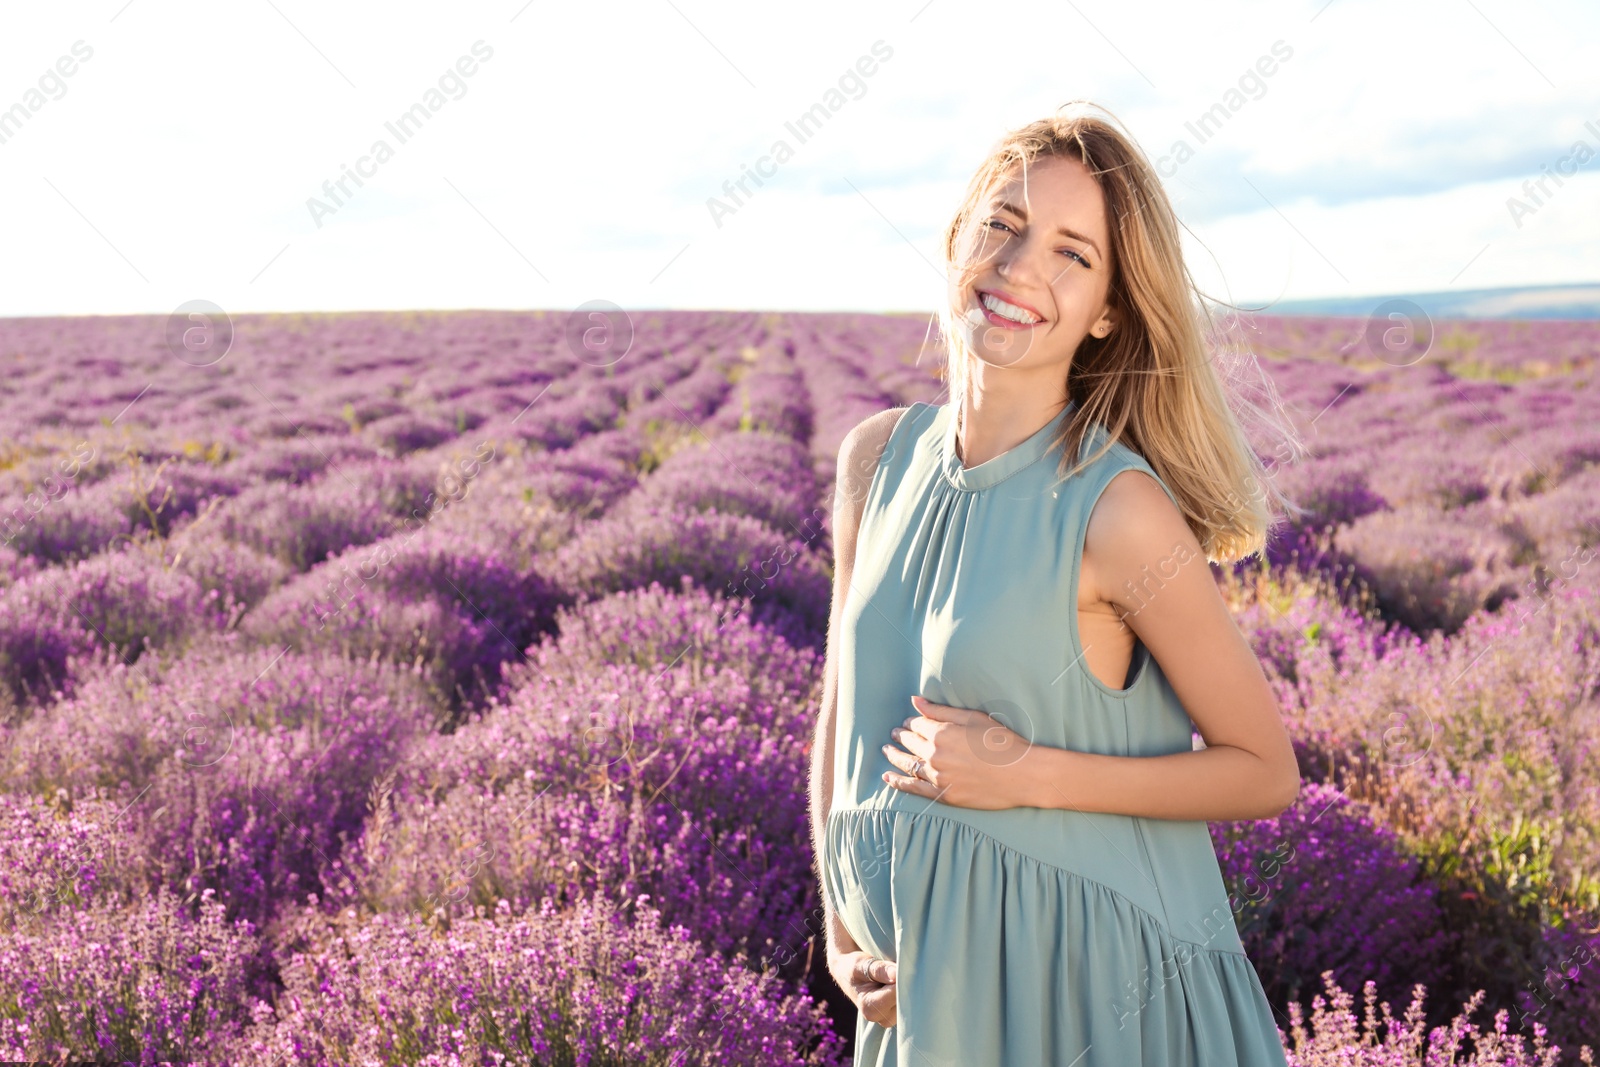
1008, 804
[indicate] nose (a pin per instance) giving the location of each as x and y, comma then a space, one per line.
1015, 267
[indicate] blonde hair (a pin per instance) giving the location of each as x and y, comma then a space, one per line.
1152, 382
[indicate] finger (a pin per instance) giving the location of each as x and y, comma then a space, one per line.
880, 970
925, 727
906, 784
869, 970
897, 757
884, 1006
941, 712
862, 971
938, 715
919, 749
879, 1006
908, 738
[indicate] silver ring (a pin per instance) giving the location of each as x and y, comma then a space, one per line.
916, 769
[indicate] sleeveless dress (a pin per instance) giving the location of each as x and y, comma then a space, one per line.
1024, 936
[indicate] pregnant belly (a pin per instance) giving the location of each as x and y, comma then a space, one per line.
881, 864
857, 865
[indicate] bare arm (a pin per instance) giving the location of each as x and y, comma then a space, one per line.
1147, 563
858, 462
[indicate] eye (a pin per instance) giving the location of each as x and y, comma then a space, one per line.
1003, 226
1074, 255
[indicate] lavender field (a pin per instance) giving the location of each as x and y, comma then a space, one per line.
428, 688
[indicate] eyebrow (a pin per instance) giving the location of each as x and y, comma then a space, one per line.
1006, 205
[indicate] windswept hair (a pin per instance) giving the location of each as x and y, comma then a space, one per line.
1159, 382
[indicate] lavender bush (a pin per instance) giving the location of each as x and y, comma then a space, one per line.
143, 983
242, 771
59, 854
759, 475
588, 985
1336, 1038
638, 752
1323, 887
732, 554
448, 608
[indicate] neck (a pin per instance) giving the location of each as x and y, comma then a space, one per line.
993, 421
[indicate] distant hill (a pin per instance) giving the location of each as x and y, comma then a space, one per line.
1570, 301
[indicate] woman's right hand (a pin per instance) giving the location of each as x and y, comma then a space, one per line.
869, 981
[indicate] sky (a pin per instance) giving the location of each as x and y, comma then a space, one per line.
157, 152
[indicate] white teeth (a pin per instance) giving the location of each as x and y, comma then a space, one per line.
1005, 310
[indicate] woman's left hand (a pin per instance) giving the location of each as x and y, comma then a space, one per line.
968, 757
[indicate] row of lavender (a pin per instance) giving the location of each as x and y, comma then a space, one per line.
279, 683
377, 673
1432, 628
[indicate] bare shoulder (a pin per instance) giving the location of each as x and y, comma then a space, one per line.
859, 453
1134, 525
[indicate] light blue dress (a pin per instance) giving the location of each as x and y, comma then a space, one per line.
1024, 936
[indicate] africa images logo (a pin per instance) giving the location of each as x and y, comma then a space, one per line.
806, 126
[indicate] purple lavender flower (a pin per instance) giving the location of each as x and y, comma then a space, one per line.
1323, 886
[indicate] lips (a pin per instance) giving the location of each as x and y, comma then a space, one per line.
1002, 320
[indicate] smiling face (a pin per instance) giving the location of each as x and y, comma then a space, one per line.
1033, 268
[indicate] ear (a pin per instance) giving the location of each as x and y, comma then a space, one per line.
1106, 323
